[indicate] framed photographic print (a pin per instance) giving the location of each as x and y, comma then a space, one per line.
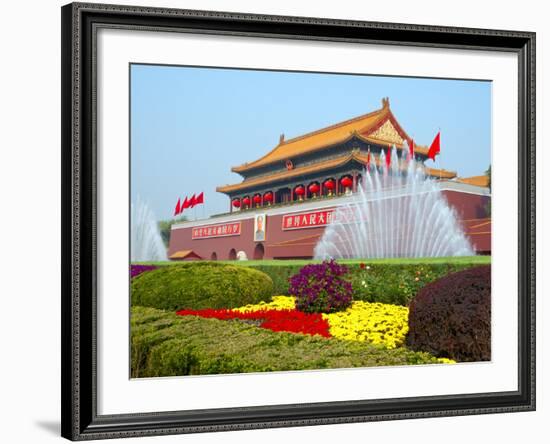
279, 221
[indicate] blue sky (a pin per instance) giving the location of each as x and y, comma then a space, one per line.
190, 125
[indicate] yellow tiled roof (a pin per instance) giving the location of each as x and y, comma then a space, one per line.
182, 254
480, 181
330, 135
443, 174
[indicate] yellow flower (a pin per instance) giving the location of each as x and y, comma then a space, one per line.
277, 303
374, 322
445, 361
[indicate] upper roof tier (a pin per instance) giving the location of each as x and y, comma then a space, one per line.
379, 127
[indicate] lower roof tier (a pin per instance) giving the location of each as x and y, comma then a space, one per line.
355, 158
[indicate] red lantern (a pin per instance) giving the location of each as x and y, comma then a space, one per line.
329, 184
246, 201
313, 188
299, 190
236, 203
268, 197
257, 199
346, 182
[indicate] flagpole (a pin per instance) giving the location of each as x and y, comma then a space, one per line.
440, 169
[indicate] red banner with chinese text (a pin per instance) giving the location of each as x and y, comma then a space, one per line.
220, 230
318, 218
308, 220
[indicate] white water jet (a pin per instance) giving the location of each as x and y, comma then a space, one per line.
145, 240
396, 212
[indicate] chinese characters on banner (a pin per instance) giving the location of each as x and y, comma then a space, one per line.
316, 219
208, 231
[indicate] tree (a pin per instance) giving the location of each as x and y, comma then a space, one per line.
488, 206
165, 227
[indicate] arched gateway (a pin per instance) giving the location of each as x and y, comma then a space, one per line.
259, 252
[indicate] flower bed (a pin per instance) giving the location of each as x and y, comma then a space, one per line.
164, 344
383, 324
292, 321
376, 323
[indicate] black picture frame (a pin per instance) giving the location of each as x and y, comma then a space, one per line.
80, 420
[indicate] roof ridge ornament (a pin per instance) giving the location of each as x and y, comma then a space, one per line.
282, 138
385, 102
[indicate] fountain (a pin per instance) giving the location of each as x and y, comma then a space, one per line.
396, 212
145, 241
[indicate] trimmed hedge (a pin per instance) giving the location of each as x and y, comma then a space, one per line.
198, 285
451, 317
389, 283
164, 344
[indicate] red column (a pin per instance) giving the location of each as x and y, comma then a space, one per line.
230, 205
354, 186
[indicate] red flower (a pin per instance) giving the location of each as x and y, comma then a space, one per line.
362, 265
292, 321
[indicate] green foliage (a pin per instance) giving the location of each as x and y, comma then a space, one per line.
451, 317
197, 285
390, 283
165, 227
164, 344
470, 260
488, 206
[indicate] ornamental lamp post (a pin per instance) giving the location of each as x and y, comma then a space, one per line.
268, 197
346, 183
300, 191
329, 185
314, 189
257, 200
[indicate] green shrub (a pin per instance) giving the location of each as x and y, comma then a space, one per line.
165, 344
390, 283
198, 285
451, 317
280, 274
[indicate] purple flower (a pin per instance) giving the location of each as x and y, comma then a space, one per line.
321, 287
136, 270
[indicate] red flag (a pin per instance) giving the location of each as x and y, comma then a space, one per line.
411, 149
192, 201
185, 204
178, 208
200, 198
435, 147
388, 158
